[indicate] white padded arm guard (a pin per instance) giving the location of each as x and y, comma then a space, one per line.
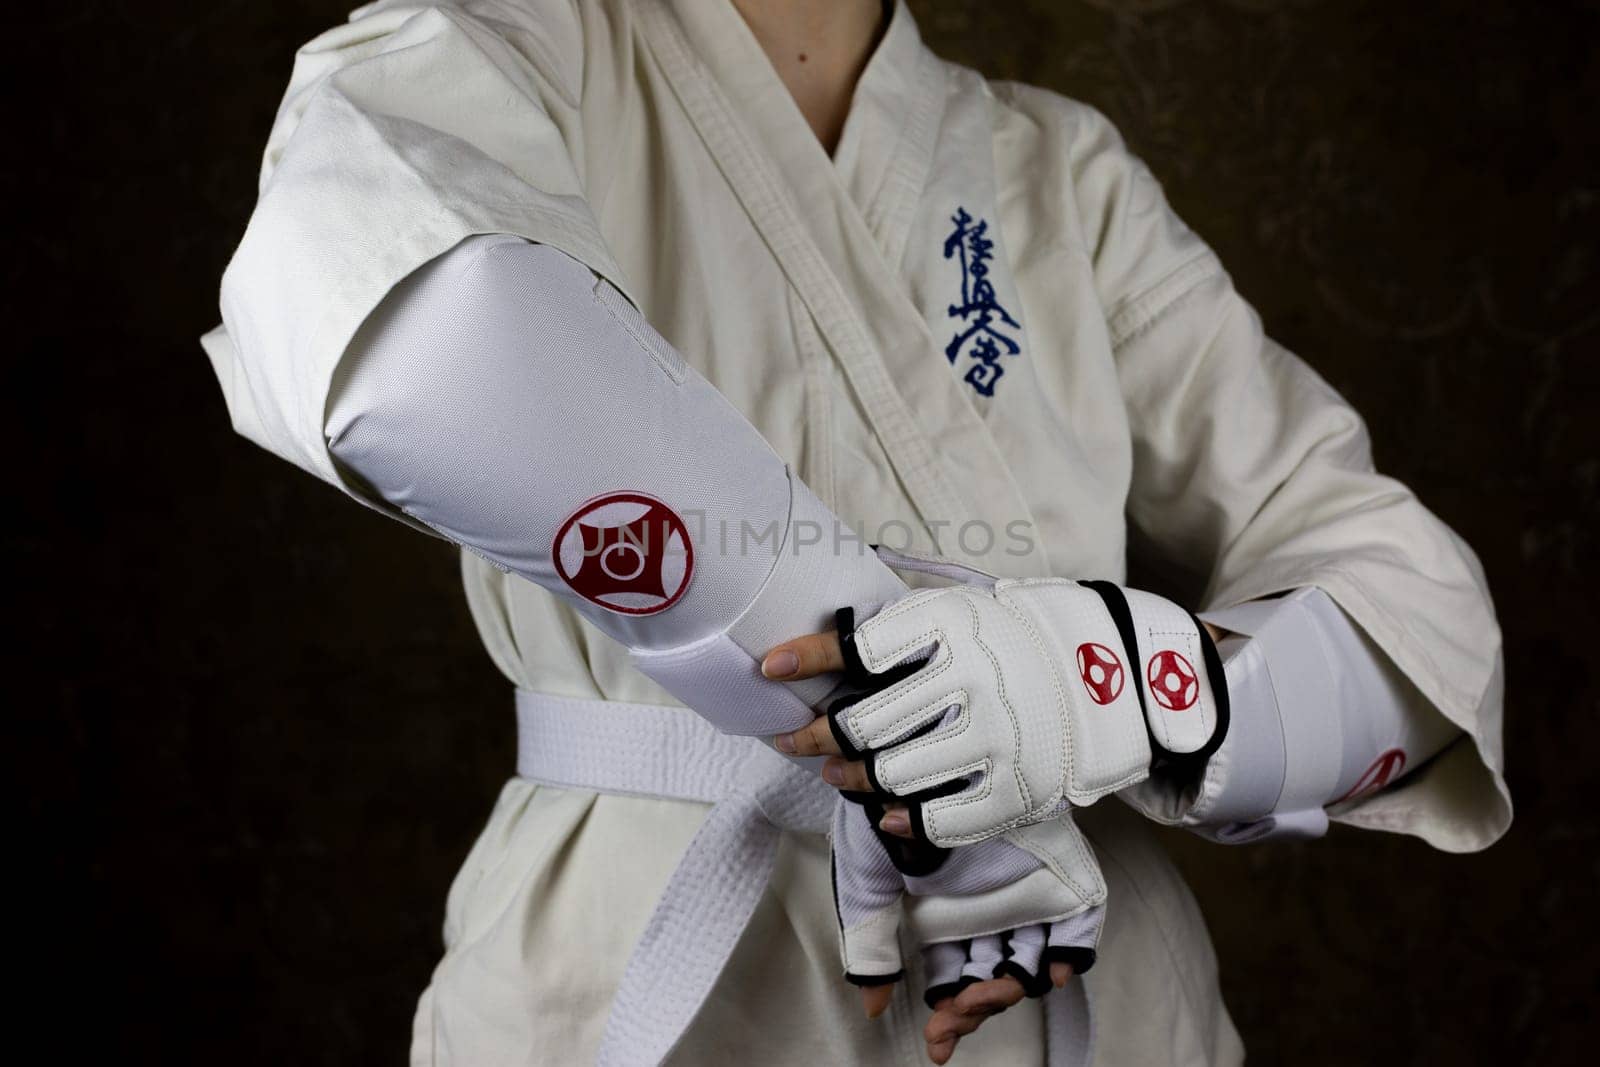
517, 404
1035, 693
1321, 717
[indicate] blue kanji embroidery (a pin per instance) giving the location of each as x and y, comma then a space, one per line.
980, 314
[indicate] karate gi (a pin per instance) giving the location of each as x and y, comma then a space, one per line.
980, 308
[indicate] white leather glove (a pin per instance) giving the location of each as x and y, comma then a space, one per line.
1008, 906
1033, 694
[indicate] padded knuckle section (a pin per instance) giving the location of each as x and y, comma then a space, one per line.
884, 718
946, 753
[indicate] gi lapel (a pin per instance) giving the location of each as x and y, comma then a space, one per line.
962, 478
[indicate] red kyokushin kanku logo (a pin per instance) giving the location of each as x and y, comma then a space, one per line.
1101, 672
627, 552
1172, 680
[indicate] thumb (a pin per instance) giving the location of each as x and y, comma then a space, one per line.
875, 998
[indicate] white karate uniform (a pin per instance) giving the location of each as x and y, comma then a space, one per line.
979, 308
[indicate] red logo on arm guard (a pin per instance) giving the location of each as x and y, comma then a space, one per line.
627, 552
1375, 777
1172, 680
1101, 672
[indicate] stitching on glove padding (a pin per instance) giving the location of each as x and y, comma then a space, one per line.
1117, 605
914, 803
859, 678
1218, 677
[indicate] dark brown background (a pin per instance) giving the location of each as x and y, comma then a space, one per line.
255, 733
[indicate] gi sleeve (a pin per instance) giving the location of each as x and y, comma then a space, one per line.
402, 133
1255, 478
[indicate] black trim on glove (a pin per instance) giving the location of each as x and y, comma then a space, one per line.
855, 979
1033, 985
1219, 690
918, 858
861, 681
935, 993
1079, 958
855, 672
1117, 604
1122, 616
868, 980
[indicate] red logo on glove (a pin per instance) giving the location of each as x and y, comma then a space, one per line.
1375, 777
627, 552
1172, 681
1101, 672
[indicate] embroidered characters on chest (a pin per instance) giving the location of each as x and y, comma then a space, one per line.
985, 329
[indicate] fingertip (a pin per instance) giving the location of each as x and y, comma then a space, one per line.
897, 823
941, 1052
780, 663
875, 999
1060, 974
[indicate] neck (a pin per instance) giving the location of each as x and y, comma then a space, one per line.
819, 49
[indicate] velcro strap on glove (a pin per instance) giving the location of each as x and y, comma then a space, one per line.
1175, 659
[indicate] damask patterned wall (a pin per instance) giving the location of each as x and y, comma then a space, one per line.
256, 731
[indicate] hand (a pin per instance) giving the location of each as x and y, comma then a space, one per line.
807, 657
957, 1015
816, 654
1010, 917
1000, 705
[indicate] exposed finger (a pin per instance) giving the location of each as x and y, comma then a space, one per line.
951, 1023
989, 998
941, 1052
1060, 974
875, 999
813, 739
896, 821
804, 657
847, 774
966, 1013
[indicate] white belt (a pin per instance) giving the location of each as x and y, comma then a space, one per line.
667, 751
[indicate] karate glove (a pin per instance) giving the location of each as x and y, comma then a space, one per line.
1034, 694
1011, 905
